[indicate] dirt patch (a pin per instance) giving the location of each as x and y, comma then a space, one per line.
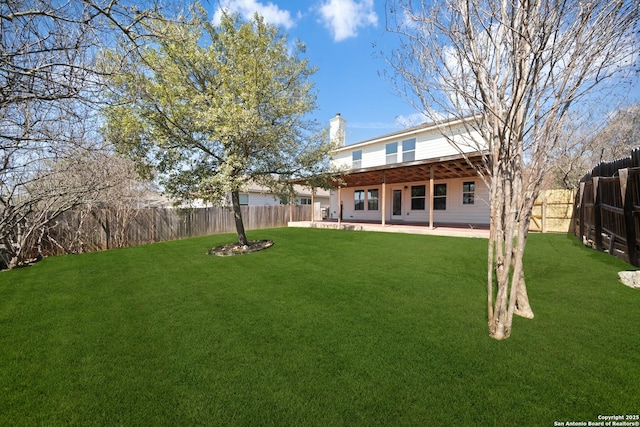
238, 249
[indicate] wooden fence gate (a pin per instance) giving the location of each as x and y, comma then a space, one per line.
553, 212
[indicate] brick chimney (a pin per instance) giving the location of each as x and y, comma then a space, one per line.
337, 130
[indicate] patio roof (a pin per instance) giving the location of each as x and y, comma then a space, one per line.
443, 168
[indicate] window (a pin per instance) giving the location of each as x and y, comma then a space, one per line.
468, 193
358, 198
409, 150
440, 197
244, 199
305, 200
392, 153
372, 199
356, 159
417, 197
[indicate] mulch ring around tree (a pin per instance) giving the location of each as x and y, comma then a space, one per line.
238, 249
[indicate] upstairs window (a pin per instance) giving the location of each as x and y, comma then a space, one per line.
440, 197
409, 150
244, 199
468, 192
392, 153
305, 200
356, 159
358, 198
417, 197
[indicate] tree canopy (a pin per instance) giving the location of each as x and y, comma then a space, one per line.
212, 108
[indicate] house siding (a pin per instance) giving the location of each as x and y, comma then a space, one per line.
429, 145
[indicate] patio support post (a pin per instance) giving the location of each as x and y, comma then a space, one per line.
313, 205
339, 206
431, 197
384, 199
291, 207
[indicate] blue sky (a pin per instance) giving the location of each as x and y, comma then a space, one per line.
340, 36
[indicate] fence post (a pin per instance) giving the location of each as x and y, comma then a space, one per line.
544, 215
581, 211
597, 213
629, 225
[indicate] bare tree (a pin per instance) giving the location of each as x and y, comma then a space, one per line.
48, 86
103, 219
124, 200
49, 190
516, 72
602, 142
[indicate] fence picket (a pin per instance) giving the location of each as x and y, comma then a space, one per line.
150, 225
608, 208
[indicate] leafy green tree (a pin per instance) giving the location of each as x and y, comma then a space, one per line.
211, 108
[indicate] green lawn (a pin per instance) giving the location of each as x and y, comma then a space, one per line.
324, 328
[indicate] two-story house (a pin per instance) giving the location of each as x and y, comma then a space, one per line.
411, 176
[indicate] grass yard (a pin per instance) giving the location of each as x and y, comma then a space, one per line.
324, 328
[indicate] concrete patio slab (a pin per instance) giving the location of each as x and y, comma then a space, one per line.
453, 230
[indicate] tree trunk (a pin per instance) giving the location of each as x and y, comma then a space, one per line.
508, 238
506, 248
523, 308
237, 215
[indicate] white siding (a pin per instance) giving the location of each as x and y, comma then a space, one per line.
430, 144
433, 146
333, 205
341, 159
373, 156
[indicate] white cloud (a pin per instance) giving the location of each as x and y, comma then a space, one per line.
247, 8
344, 17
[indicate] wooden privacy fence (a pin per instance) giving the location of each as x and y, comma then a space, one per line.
82, 231
553, 211
607, 208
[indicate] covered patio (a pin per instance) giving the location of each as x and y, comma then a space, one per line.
430, 170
